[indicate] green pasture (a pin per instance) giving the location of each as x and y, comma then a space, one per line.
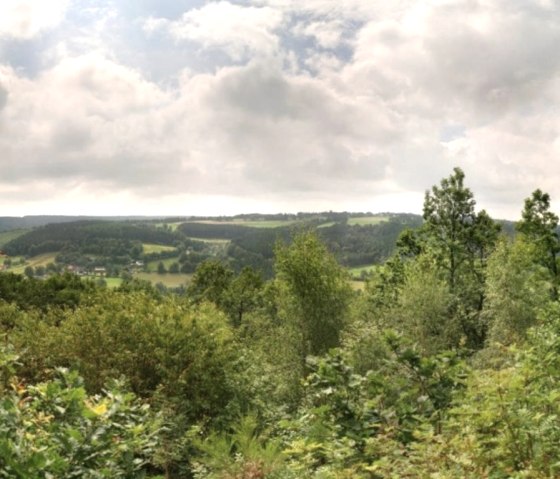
152, 266
39, 260
267, 223
112, 282
367, 220
211, 240
357, 271
149, 248
13, 259
253, 223
169, 280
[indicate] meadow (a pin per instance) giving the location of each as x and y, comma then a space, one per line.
149, 248
367, 220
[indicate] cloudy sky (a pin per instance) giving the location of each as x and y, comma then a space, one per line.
221, 107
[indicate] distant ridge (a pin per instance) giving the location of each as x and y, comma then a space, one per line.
8, 223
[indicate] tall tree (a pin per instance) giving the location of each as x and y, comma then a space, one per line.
540, 227
210, 282
461, 241
455, 233
319, 291
516, 289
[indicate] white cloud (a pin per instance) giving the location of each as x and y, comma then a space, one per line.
24, 19
239, 31
327, 34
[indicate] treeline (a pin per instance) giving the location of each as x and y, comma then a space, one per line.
446, 365
8, 223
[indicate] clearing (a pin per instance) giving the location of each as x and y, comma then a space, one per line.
39, 260
169, 280
148, 248
367, 220
357, 271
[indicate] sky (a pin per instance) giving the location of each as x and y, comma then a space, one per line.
193, 107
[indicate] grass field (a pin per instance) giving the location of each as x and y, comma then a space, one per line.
148, 248
169, 280
367, 220
40, 260
7, 236
210, 240
167, 262
357, 271
252, 223
267, 223
113, 282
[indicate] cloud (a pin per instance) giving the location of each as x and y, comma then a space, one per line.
364, 103
25, 19
481, 58
87, 118
327, 34
236, 30
3, 97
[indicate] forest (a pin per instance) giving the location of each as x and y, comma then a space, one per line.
446, 365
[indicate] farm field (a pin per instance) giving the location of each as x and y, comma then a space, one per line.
152, 266
252, 223
267, 223
169, 280
40, 260
367, 220
210, 240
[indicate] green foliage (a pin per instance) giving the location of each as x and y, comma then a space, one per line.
245, 453
210, 282
58, 290
183, 358
516, 289
54, 429
243, 295
539, 226
423, 308
348, 419
460, 241
319, 290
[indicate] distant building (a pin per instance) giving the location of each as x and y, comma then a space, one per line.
100, 271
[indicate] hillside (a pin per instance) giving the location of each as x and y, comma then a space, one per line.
179, 245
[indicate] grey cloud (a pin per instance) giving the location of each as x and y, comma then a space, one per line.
293, 133
71, 137
3, 97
